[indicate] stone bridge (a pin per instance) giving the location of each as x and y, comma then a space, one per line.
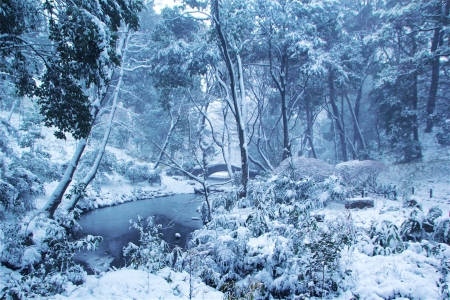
221, 168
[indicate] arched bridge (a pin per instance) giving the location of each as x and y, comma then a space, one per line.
221, 168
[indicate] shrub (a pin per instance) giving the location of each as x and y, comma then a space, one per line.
153, 253
18, 189
154, 176
418, 226
46, 267
385, 238
301, 167
361, 174
39, 163
442, 230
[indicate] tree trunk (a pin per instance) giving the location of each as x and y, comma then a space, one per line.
436, 43
281, 84
173, 123
431, 104
57, 195
309, 131
415, 100
359, 138
236, 104
101, 150
8, 118
336, 116
357, 131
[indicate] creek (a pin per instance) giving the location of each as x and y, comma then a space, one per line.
174, 213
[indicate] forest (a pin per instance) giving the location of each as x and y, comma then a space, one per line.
307, 108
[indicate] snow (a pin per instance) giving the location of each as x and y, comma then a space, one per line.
137, 284
413, 273
383, 277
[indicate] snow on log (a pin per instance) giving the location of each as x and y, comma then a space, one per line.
359, 203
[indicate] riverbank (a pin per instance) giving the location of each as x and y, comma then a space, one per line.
118, 190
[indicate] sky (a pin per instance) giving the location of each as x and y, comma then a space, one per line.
160, 4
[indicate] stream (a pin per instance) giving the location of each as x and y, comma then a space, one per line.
174, 213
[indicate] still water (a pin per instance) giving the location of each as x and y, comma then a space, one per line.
174, 213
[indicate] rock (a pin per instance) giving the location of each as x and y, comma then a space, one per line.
359, 203
319, 217
200, 191
177, 235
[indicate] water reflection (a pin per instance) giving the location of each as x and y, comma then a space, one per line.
174, 213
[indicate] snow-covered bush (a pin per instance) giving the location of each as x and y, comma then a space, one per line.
322, 274
154, 176
385, 238
412, 228
153, 253
442, 230
443, 135
432, 225
18, 189
135, 172
30, 127
361, 174
301, 167
39, 162
224, 200
13, 243
269, 245
46, 265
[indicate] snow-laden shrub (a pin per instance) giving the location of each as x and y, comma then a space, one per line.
46, 265
18, 189
361, 174
39, 162
135, 172
432, 225
442, 230
272, 240
301, 167
224, 200
412, 228
322, 276
385, 238
153, 253
443, 135
154, 176
13, 243
30, 127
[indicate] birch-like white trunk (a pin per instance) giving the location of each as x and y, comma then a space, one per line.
70, 205
57, 195
8, 118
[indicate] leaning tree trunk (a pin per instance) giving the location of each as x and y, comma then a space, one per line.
173, 123
101, 150
57, 195
13, 107
281, 84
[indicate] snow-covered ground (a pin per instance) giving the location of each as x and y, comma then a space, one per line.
412, 273
136, 284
